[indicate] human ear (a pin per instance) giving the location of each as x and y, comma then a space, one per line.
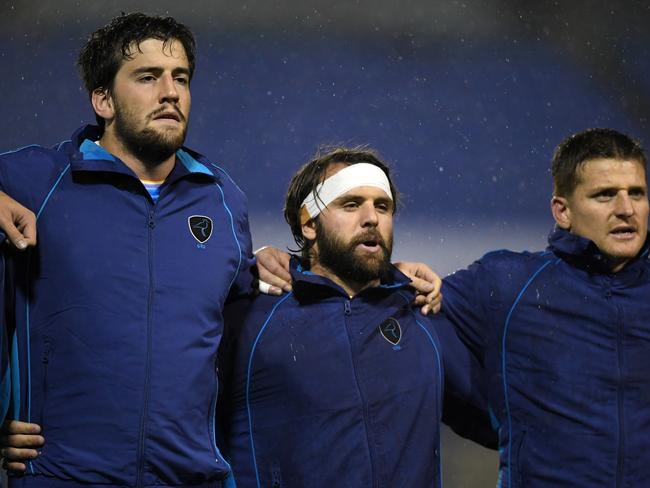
561, 212
309, 230
102, 103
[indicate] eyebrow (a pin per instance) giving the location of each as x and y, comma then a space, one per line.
354, 196
384, 200
638, 187
158, 70
616, 188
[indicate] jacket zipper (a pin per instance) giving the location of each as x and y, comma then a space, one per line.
46, 362
620, 397
219, 459
143, 418
347, 310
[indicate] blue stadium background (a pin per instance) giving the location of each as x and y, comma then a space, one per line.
466, 100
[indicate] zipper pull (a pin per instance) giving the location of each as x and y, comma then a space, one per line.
348, 309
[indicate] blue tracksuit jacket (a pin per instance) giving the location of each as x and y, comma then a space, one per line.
566, 347
328, 391
118, 315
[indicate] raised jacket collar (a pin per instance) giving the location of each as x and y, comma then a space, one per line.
583, 253
85, 155
308, 285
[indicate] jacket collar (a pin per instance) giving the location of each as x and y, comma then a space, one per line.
308, 285
86, 155
583, 253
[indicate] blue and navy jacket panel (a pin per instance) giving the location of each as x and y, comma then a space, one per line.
324, 390
118, 314
565, 344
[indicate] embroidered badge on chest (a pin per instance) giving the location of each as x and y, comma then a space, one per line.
200, 227
391, 331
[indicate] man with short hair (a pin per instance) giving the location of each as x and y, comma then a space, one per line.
564, 335
340, 382
118, 310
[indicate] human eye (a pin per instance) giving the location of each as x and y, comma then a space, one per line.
605, 195
182, 80
637, 193
383, 207
147, 78
350, 205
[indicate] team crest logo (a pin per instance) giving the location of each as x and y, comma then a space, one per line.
200, 227
391, 331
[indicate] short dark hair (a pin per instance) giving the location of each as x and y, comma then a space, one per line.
106, 49
313, 173
574, 151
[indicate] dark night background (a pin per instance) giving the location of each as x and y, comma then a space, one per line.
466, 100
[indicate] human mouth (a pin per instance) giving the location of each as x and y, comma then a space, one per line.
372, 244
172, 115
623, 232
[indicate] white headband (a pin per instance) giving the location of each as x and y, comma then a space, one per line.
353, 176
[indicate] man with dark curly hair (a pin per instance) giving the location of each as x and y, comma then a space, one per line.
114, 343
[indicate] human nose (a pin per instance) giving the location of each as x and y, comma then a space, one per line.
624, 205
168, 91
369, 216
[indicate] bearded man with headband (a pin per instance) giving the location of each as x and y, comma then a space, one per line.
340, 382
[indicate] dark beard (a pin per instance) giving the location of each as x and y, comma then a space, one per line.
343, 260
149, 146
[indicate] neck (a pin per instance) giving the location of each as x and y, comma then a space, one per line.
144, 170
350, 287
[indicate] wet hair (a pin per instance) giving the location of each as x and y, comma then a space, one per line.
108, 47
576, 150
313, 173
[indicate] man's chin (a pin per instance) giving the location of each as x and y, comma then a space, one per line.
627, 249
160, 144
375, 264
171, 137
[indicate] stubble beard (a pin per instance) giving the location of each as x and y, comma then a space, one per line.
345, 261
152, 147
